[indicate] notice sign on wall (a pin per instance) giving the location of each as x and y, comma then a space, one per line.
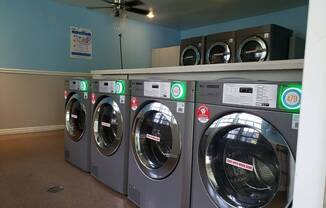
80, 43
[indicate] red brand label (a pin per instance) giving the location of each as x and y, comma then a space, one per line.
239, 164
203, 114
134, 103
93, 98
152, 137
66, 94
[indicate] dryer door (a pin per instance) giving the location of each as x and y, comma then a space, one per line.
253, 49
107, 126
218, 53
75, 117
190, 56
245, 162
156, 140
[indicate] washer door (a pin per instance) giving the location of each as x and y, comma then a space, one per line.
253, 49
75, 117
107, 126
218, 53
190, 56
156, 140
245, 162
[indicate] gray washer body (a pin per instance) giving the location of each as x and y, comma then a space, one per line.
212, 98
78, 153
174, 190
112, 170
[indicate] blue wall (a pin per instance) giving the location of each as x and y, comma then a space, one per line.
35, 35
295, 19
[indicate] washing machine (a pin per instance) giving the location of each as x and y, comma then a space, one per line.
77, 122
245, 141
220, 48
263, 43
192, 51
161, 143
110, 133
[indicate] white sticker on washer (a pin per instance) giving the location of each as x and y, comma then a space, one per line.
85, 95
157, 89
152, 137
295, 121
74, 116
259, 95
95, 126
106, 124
180, 107
239, 164
122, 99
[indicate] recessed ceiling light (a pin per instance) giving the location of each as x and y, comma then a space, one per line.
151, 15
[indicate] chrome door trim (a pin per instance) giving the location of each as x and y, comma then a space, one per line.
257, 39
191, 47
226, 54
238, 119
170, 164
68, 127
107, 151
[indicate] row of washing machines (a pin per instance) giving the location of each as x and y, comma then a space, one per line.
178, 144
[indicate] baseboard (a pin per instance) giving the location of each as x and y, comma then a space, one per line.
33, 129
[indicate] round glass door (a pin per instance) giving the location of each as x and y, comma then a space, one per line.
75, 117
245, 162
107, 126
253, 49
218, 53
156, 141
190, 56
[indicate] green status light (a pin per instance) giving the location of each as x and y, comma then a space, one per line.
289, 98
84, 85
120, 87
178, 90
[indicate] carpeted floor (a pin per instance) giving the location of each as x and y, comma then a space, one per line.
31, 163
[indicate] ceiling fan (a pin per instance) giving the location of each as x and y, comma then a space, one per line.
118, 6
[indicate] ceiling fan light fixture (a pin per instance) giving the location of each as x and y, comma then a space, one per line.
150, 15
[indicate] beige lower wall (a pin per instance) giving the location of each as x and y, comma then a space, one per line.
29, 100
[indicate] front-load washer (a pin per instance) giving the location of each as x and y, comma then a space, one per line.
77, 122
192, 51
245, 141
161, 143
220, 48
110, 133
263, 43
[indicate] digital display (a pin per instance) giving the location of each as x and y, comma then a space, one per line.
155, 86
246, 90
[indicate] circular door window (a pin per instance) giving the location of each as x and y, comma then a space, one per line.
190, 56
218, 53
75, 117
245, 162
156, 140
252, 49
107, 126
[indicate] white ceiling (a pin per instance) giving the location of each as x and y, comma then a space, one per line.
186, 14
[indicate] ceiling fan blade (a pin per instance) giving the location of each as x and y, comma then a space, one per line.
138, 11
133, 3
111, 2
109, 7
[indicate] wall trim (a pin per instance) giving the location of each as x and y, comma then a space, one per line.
42, 72
32, 129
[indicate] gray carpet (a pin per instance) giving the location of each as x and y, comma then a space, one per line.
31, 163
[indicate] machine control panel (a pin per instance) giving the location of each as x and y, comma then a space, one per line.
116, 87
175, 90
256, 95
74, 84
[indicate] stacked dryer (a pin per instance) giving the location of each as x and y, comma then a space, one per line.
110, 133
244, 143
